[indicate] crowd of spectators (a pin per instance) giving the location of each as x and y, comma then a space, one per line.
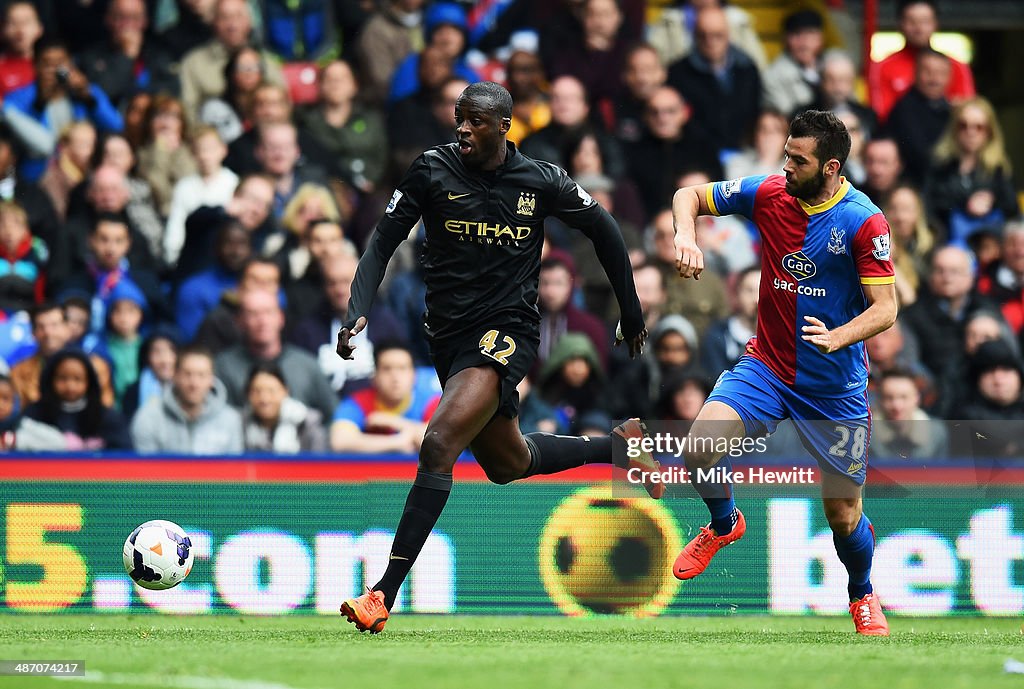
186, 187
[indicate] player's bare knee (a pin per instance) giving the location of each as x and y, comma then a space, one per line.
437, 454
842, 519
697, 458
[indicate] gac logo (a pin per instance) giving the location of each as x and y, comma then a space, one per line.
799, 266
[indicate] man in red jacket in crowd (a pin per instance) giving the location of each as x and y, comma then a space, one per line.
889, 79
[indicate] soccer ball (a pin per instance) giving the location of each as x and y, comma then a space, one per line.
158, 555
609, 554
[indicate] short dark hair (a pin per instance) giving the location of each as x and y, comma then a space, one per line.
226, 225
192, 350
559, 260
48, 42
749, 270
831, 138
929, 51
250, 177
262, 260
75, 301
108, 217
168, 335
903, 5
270, 368
390, 344
898, 372
492, 96
647, 265
316, 222
888, 140
640, 47
39, 309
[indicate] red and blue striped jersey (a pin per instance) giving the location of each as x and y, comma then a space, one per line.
814, 260
359, 406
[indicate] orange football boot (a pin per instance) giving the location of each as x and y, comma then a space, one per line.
697, 554
868, 617
635, 428
367, 612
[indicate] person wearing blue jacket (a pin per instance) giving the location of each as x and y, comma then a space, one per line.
446, 27
61, 94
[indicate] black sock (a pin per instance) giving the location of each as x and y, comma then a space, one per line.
426, 501
550, 454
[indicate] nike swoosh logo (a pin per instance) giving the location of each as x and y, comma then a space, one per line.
452, 197
398, 557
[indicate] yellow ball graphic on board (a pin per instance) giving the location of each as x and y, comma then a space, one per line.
606, 553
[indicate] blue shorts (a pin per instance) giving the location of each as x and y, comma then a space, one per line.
835, 431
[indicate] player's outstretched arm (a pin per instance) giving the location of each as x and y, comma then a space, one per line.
879, 316
687, 204
368, 277
403, 212
611, 250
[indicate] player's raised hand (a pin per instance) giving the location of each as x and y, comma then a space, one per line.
818, 334
345, 336
690, 259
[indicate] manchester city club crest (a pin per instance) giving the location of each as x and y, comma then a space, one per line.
837, 242
527, 203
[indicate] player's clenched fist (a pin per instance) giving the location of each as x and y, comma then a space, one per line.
345, 337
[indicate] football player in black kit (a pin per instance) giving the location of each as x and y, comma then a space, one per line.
483, 204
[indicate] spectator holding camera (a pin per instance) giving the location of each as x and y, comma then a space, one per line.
60, 94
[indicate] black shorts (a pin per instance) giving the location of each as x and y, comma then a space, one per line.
510, 349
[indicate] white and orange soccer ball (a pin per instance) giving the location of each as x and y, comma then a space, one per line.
158, 555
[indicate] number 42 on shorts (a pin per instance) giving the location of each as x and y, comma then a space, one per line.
489, 342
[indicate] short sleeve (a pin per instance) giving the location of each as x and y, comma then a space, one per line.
406, 204
572, 205
734, 196
349, 411
872, 252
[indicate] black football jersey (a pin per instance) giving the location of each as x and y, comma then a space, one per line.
484, 232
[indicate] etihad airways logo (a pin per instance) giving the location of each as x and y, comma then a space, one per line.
487, 233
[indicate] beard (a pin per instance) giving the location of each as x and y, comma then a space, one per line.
807, 189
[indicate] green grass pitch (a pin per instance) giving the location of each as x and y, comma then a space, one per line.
415, 651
